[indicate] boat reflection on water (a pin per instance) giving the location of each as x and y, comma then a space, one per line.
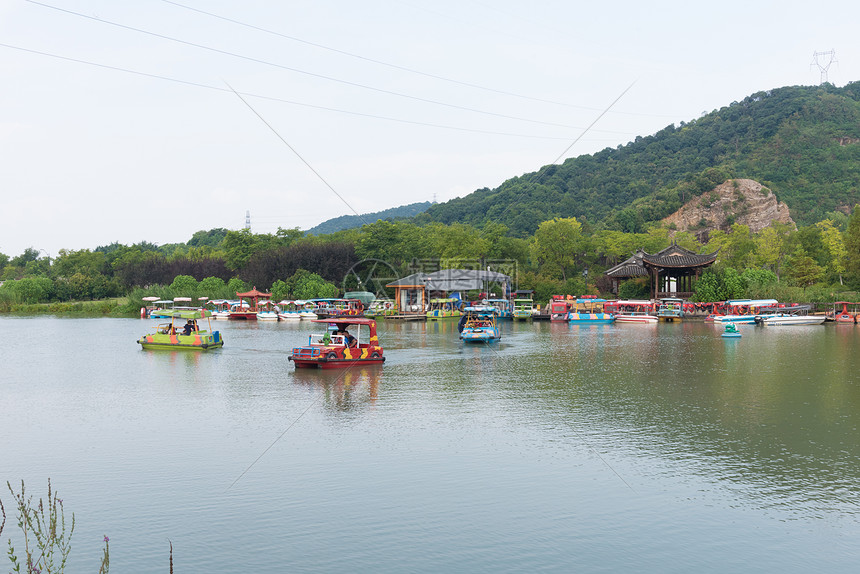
343, 389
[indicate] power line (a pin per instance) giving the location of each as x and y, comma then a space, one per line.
297, 70
556, 160
292, 149
281, 100
373, 60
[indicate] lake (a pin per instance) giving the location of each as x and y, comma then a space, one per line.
640, 448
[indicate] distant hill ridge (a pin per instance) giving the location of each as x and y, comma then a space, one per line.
351, 221
800, 142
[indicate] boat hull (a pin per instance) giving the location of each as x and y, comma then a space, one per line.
591, 318
483, 335
636, 319
779, 320
194, 342
737, 319
443, 315
243, 316
334, 356
324, 363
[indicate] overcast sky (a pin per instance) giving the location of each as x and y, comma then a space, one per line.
117, 122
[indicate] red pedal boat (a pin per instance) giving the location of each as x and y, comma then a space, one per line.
338, 347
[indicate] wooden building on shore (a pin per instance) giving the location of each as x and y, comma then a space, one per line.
673, 271
412, 293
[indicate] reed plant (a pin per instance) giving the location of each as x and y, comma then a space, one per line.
46, 535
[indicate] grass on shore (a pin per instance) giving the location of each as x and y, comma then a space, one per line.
112, 307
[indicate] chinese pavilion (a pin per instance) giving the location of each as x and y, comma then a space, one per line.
673, 271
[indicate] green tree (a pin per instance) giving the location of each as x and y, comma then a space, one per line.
29, 289
313, 286
802, 270
379, 240
769, 249
688, 241
240, 245
655, 239
212, 238
29, 254
708, 288
634, 289
832, 239
733, 286
213, 287
83, 261
739, 247
852, 248
457, 241
556, 245
184, 285
236, 285
289, 236
280, 290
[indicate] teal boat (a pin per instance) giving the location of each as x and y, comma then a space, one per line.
478, 325
504, 308
671, 309
448, 308
731, 331
590, 310
523, 309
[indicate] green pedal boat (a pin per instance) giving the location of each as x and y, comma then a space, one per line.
183, 332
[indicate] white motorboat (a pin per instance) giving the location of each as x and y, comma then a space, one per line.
289, 311
795, 316
636, 317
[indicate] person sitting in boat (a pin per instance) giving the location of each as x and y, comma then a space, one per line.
350, 340
188, 328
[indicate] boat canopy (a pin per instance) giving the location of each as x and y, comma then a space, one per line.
188, 313
346, 321
752, 302
481, 310
150, 298
366, 297
163, 301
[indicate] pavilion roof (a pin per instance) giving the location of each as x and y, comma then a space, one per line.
253, 293
676, 256
631, 267
451, 280
673, 257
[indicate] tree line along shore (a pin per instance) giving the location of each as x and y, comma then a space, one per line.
816, 263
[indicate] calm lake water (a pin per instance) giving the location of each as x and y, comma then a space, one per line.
638, 448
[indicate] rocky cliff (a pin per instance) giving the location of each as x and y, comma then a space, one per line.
741, 201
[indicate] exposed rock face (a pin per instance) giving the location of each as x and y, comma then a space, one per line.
741, 201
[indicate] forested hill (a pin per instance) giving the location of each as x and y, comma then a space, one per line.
350, 221
802, 142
